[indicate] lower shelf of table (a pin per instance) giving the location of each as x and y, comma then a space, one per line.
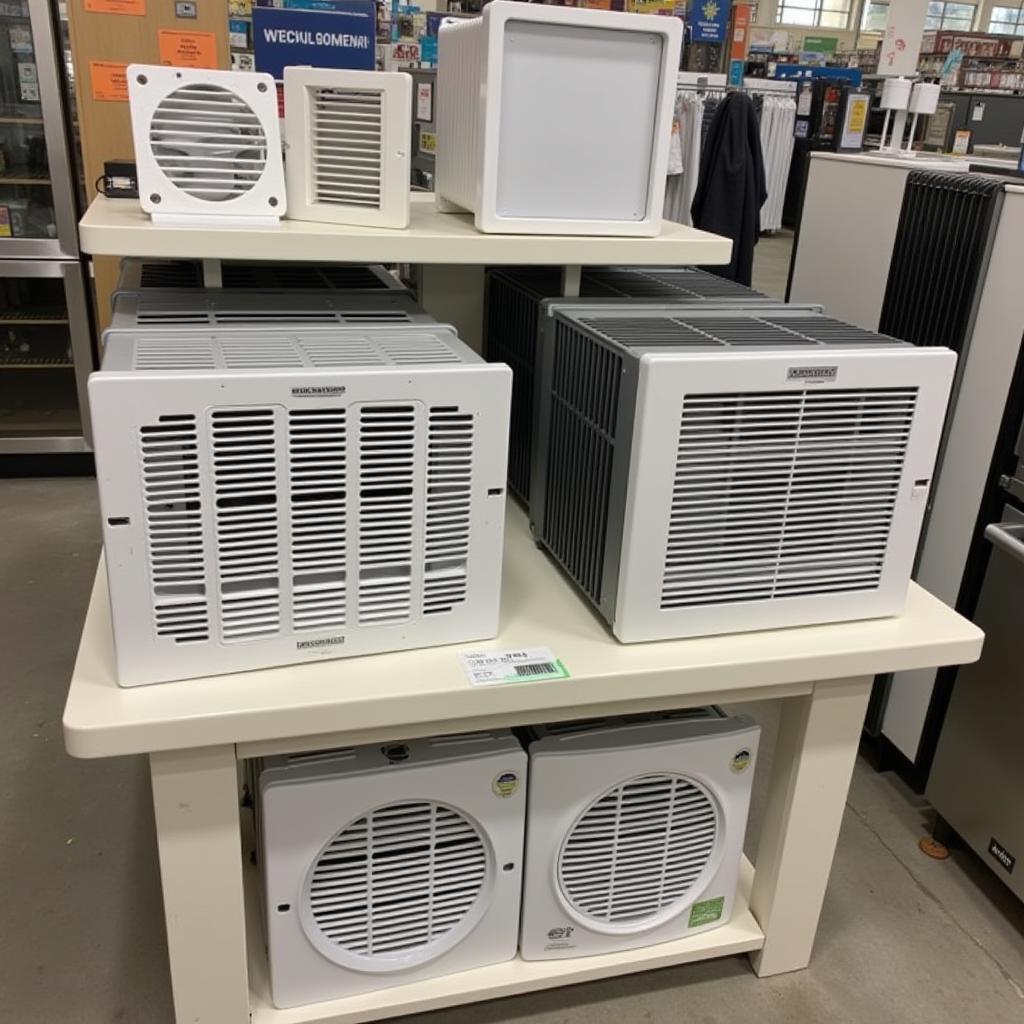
516, 977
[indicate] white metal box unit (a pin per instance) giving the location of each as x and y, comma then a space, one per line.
513, 317
703, 471
555, 120
347, 135
284, 496
207, 145
388, 865
635, 830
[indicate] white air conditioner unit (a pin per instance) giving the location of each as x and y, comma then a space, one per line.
700, 470
347, 134
277, 497
207, 145
389, 865
555, 120
634, 830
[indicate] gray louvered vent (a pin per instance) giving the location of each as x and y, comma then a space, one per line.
398, 880
327, 756
639, 849
173, 354
246, 521
347, 136
387, 507
208, 142
174, 527
784, 494
449, 502
318, 466
171, 274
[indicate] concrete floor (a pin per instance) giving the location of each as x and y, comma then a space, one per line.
902, 938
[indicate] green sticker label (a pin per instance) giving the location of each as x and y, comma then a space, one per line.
706, 911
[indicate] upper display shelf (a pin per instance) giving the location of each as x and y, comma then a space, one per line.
118, 227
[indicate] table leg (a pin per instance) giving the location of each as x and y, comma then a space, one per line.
811, 770
195, 798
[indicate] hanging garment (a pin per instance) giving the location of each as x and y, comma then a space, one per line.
731, 188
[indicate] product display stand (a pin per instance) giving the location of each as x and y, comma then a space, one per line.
198, 732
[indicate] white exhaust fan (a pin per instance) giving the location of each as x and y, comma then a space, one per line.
392, 864
207, 145
635, 830
348, 146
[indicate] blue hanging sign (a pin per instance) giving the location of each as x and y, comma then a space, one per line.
319, 39
708, 21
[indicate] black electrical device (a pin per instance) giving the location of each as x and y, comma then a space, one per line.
118, 180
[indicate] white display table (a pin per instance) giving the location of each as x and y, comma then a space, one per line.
198, 732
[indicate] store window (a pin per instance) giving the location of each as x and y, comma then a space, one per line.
958, 17
874, 16
815, 13
1007, 21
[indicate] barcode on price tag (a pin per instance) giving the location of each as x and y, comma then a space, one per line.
527, 665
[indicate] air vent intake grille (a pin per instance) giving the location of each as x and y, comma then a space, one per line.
784, 494
347, 140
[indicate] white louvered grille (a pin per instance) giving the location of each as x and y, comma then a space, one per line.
208, 142
168, 451
347, 138
449, 504
398, 880
246, 521
784, 494
638, 849
318, 462
387, 512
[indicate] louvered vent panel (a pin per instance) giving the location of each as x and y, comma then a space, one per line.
347, 136
311, 276
638, 849
317, 470
332, 351
168, 450
241, 352
171, 274
173, 354
449, 504
584, 408
246, 521
398, 880
321, 756
784, 494
208, 142
387, 502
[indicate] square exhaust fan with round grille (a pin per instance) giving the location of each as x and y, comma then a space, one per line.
207, 145
388, 865
635, 830
348, 135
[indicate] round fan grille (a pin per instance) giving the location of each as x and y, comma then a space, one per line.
399, 881
208, 142
638, 850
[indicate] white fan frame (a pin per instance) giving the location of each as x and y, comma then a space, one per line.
264, 203
395, 89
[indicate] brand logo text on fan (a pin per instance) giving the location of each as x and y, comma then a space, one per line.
812, 373
300, 37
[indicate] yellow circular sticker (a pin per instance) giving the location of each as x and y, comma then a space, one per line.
740, 760
505, 784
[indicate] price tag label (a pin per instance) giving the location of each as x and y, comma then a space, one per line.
526, 665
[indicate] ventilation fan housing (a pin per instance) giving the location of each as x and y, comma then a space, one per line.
635, 830
392, 864
207, 145
284, 496
712, 470
348, 146
556, 120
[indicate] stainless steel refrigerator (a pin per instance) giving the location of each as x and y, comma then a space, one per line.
46, 347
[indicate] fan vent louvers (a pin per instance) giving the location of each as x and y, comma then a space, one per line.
318, 465
171, 274
638, 849
784, 494
387, 504
449, 503
347, 136
398, 879
174, 527
585, 394
208, 142
174, 354
326, 277
246, 521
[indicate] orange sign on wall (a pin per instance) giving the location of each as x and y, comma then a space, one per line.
109, 81
740, 40
188, 49
137, 7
